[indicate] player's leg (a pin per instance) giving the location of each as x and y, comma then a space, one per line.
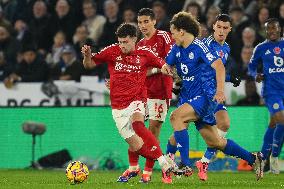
275, 106
268, 139
277, 141
229, 147
157, 110
130, 124
223, 124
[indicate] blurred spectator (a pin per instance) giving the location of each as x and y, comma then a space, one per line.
281, 14
59, 41
93, 21
4, 22
9, 9
247, 5
24, 9
204, 32
162, 20
113, 21
64, 20
174, 6
23, 35
129, 15
246, 54
81, 38
239, 21
40, 27
223, 5
9, 45
213, 11
261, 17
249, 37
195, 10
69, 68
252, 98
202, 4
5, 69
31, 69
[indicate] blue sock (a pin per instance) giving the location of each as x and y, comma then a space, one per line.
210, 152
170, 148
182, 140
277, 140
233, 149
267, 142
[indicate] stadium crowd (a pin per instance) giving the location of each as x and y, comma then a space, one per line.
41, 40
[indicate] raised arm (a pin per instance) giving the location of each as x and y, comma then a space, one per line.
87, 57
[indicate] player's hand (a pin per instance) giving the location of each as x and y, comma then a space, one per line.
259, 77
86, 51
166, 70
219, 97
107, 83
236, 80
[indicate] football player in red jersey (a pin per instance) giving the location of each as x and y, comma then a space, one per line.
128, 66
159, 86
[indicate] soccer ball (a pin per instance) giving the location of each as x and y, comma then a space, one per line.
77, 172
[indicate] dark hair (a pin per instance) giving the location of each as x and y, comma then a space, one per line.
146, 12
187, 22
224, 18
126, 29
236, 9
93, 3
272, 20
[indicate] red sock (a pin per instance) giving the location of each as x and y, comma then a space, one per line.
149, 165
150, 148
133, 158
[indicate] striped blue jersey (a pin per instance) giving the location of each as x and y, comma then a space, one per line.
193, 65
222, 51
270, 55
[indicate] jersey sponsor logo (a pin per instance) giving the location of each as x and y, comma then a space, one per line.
187, 78
210, 56
276, 70
275, 106
267, 52
191, 55
277, 50
278, 61
184, 68
128, 68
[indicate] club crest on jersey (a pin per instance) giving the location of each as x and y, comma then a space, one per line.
277, 50
191, 55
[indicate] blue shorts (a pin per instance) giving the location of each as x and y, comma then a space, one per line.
220, 107
204, 108
274, 103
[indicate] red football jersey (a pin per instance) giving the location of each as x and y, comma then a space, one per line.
127, 73
159, 86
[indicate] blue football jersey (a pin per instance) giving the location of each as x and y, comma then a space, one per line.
222, 51
270, 55
193, 65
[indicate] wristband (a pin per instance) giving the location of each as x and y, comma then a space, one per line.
154, 70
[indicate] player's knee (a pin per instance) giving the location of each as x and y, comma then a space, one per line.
174, 117
224, 125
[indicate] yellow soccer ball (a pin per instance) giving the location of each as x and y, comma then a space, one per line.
77, 172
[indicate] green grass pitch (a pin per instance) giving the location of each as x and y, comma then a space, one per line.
41, 179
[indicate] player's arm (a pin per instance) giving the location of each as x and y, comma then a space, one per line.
220, 79
87, 57
252, 67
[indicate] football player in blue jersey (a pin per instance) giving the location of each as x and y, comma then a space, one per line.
216, 43
203, 77
270, 54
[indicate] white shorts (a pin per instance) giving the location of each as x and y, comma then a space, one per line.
122, 118
157, 109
